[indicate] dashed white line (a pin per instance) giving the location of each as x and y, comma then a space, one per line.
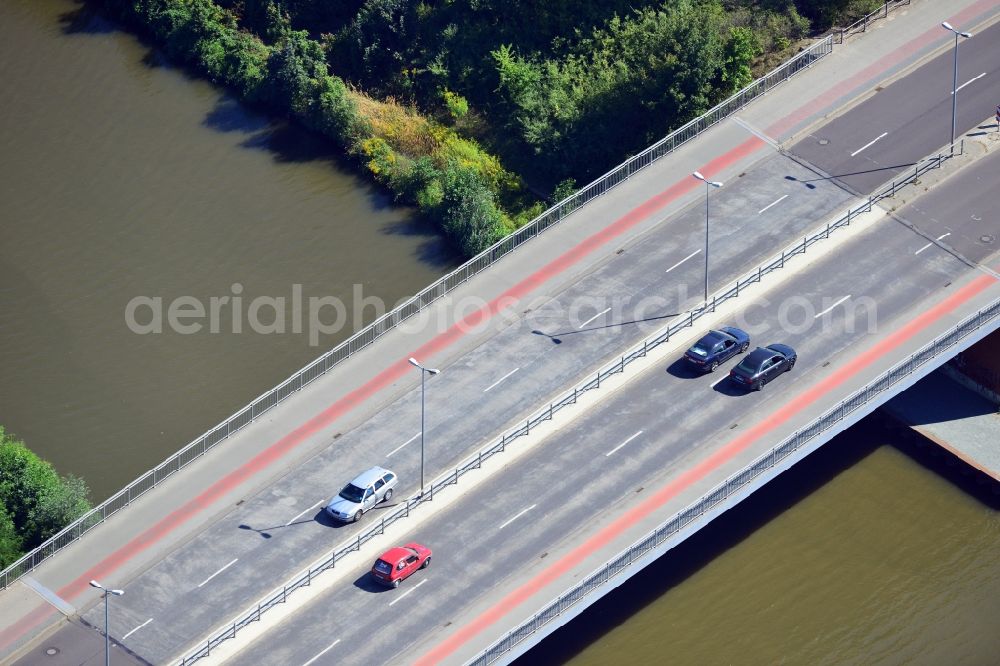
594, 317
622, 444
303, 513
969, 81
682, 261
493, 385
137, 628
325, 650
218, 572
832, 307
402, 445
517, 516
867, 145
719, 380
409, 591
929, 244
771, 204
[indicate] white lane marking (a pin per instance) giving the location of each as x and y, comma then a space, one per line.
517, 516
493, 385
969, 81
594, 317
867, 145
409, 591
720, 379
137, 628
622, 444
218, 572
682, 261
929, 244
832, 307
403, 444
303, 513
771, 204
325, 650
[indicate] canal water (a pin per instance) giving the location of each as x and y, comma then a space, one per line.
877, 549
122, 177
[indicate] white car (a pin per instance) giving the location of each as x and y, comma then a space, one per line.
365, 491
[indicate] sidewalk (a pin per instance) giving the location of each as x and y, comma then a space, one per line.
361, 386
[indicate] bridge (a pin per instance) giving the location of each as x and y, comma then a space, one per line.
565, 443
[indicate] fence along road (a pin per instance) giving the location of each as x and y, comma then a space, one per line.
421, 300
432, 293
281, 594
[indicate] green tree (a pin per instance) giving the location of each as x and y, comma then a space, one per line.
38, 502
10, 540
741, 49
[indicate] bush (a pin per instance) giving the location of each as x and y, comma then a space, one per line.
37, 500
468, 211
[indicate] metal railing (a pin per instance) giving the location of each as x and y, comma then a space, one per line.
474, 462
861, 25
735, 483
421, 300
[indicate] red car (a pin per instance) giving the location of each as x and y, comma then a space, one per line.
400, 562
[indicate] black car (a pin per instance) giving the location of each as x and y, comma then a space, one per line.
762, 365
717, 347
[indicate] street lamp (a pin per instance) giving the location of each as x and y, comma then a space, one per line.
954, 85
709, 184
423, 374
107, 644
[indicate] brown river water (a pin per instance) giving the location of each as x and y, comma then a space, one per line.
122, 177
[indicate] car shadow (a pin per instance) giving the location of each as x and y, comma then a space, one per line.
367, 583
684, 370
730, 388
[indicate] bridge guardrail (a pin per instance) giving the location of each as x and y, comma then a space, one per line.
861, 25
421, 300
280, 595
734, 484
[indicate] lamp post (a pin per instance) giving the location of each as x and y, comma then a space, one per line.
107, 642
954, 85
709, 184
423, 374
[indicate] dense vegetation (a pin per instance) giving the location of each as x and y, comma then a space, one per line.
434, 97
35, 502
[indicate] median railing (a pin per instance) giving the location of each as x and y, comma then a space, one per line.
474, 462
875, 390
424, 298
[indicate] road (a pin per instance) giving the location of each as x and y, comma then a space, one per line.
583, 478
910, 118
277, 531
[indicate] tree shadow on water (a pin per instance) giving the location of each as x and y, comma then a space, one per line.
85, 20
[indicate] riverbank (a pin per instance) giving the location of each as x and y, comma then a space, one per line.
563, 95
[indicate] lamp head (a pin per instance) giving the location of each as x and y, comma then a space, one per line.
94, 583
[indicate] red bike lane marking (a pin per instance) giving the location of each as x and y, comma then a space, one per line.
671, 489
